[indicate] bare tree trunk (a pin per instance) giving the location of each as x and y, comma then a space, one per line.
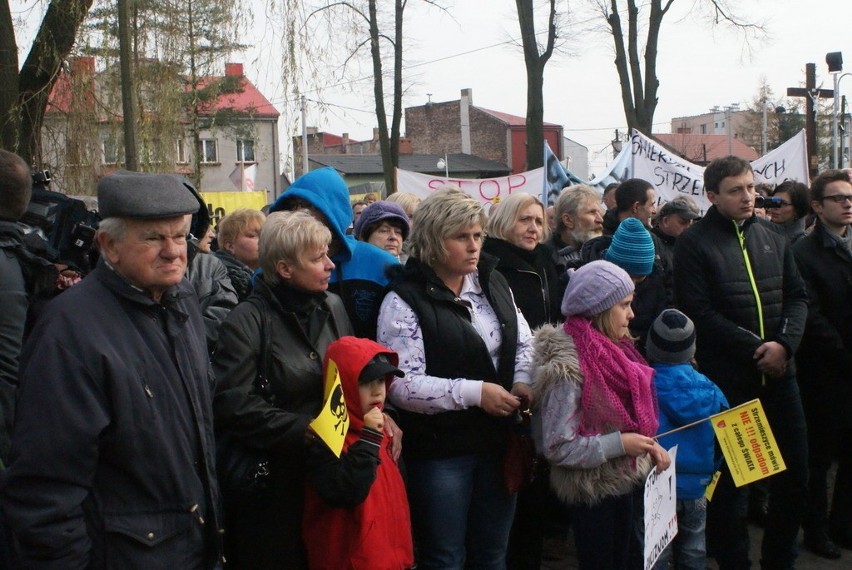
535, 63
379, 93
23, 106
638, 87
399, 9
128, 86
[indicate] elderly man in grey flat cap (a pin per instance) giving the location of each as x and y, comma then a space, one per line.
112, 462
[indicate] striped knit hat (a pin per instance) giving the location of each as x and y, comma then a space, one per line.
632, 248
671, 339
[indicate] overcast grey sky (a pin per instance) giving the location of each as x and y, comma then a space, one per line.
699, 66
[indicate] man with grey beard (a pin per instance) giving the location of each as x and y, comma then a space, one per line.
579, 218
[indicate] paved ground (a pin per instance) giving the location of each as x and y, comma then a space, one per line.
559, 555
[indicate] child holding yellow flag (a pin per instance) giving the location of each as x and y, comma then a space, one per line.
356, 510
685, 396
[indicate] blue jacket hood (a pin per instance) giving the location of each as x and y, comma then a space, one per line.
325, 189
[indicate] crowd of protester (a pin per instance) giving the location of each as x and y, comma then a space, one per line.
158, 412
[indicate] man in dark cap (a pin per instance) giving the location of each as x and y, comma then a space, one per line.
112, 462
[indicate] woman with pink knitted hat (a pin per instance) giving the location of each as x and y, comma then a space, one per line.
595, 413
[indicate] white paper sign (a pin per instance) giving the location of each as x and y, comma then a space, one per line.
487, 191
660, 511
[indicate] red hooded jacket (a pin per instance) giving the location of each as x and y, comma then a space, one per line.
356, 510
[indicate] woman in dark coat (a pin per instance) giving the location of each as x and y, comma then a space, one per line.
516, 229
263, 532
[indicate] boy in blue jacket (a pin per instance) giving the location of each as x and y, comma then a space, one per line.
685, 396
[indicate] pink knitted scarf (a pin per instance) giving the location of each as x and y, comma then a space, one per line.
618, 390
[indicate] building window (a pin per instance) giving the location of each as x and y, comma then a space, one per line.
245, 150
180, 152
110, 151
703, 129
208, 151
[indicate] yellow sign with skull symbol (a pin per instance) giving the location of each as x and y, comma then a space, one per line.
332, 423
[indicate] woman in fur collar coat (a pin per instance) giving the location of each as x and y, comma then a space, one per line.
595, 412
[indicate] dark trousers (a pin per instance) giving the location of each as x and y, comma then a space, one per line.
604, 531
826, 442
727, 531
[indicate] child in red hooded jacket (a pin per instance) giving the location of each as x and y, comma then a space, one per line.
356, 510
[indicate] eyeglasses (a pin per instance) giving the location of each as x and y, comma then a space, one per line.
839, 198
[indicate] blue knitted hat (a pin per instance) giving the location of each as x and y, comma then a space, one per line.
632, 248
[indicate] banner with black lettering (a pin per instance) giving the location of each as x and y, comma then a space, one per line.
671, 175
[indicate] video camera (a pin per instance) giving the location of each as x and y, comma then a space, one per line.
59, 228
768, 202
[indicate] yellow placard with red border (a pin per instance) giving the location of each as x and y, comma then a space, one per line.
748, 445
332, 423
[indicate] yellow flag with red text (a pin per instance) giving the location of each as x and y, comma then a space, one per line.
748, 445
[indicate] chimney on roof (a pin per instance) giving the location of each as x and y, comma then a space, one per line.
465, 104
344, 143
234, 69
405, 146
375, 133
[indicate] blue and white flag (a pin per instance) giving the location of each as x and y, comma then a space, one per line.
556, 177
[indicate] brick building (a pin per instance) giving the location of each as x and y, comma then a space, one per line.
460, 127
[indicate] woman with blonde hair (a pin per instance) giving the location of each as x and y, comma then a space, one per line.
269, 384
465, 351
238, 237
516, 232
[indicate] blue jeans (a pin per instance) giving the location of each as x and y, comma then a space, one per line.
727, 531
460, 513
689, 548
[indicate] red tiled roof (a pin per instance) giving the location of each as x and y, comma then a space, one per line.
704, 148
62, 96
512, 120
247, 100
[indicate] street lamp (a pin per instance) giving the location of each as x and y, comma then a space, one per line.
445, 164
834, 60
617, 144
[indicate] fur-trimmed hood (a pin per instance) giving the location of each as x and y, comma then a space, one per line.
554, 362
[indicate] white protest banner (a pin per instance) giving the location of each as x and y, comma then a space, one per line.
487, 190
660, 511
787, 162
670, 175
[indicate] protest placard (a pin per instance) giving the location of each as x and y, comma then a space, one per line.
747, 443
660, 511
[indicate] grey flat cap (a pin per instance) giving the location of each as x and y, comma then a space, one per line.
127, 194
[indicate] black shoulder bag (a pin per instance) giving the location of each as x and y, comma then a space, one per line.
243, 471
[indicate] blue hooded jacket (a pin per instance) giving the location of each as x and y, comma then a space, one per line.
359, 276
685, 396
